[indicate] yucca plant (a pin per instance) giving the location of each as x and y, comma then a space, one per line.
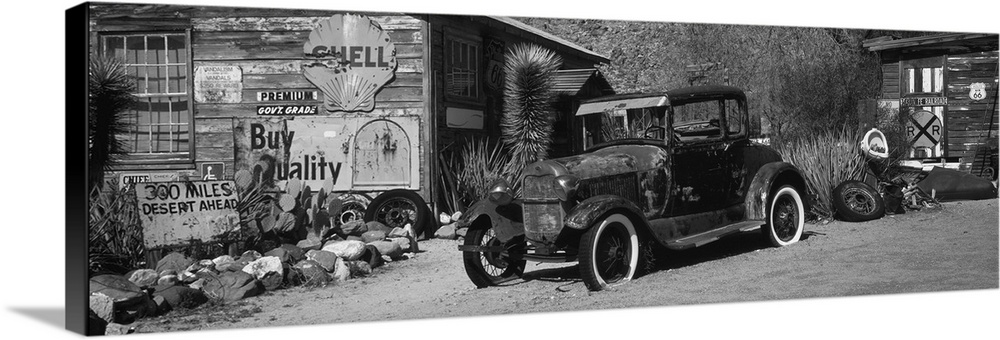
108, 117
526, 125
826, 160
115, 233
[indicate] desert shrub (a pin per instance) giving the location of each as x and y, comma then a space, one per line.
479, 163
826, 160
110, 97
115, 232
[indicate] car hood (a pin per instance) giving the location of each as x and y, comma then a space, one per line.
616, 159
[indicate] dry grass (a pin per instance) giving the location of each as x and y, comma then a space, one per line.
115, 232
826, 160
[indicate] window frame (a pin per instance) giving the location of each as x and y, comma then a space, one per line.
187, 156
937, 62
450, 35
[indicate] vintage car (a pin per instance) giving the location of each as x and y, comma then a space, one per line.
675, 168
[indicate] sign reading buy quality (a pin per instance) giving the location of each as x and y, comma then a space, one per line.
178, 212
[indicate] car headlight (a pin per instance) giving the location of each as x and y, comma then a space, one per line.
566, 186
500, 192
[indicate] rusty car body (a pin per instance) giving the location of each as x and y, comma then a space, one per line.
675, 168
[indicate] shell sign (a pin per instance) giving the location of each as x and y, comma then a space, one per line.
354, 58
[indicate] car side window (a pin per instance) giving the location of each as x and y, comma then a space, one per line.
734, 118
697, 121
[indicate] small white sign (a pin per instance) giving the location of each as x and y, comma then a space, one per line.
977, 91
218, 84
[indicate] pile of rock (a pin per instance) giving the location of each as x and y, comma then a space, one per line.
179, 281
449, 229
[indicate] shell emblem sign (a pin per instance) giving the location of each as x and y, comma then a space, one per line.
354, 58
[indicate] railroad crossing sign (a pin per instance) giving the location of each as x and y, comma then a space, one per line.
924, 129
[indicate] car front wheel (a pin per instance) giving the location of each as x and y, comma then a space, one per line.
489, 268
785, 217
609, 252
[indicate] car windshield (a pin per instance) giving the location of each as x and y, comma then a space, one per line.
618, 124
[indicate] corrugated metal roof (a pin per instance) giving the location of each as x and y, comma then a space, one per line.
570, 82
550, 37
931, 41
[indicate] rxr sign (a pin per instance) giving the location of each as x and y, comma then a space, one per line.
924, 129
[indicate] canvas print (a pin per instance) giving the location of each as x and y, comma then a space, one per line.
261, 167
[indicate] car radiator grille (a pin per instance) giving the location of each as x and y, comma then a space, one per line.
543, 212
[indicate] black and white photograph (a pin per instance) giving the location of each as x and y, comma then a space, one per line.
310, 169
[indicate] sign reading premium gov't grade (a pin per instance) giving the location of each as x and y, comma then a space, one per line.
174, 213
353, 59
218, 84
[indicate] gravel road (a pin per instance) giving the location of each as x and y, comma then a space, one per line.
950, 248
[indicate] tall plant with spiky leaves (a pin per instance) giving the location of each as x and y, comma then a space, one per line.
526, 125
111, 96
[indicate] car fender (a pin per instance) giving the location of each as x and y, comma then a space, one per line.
765, 181
507, 220
586, 212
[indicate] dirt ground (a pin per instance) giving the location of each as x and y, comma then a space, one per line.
950, 248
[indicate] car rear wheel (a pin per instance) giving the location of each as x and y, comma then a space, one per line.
609, 252
488, 268
785, 217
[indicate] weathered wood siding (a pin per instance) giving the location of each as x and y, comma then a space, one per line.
890, 81
267, 45
970, 124
489, 101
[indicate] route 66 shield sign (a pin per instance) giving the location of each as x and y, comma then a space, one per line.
977, 91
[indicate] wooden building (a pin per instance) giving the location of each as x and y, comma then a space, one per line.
944, 87
363, 100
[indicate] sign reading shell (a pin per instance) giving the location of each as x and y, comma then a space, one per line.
175, 213
354, 59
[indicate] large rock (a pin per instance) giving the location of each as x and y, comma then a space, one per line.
263, 266
251, 255
359, 268
325, 259
297, 254
223, 262
210, 264
167, 280
174, 261
389, 248
129, 301
313, 274
280, 253
180, 296
349, 250
372, 256
341, 271
397, 232
310, 244
372, 236
232, 286
446, 232
378, 226
103, 307
144, 277
354, 228
406, 244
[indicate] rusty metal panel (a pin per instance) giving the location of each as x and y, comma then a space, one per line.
383, 154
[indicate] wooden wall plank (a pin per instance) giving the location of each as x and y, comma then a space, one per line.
292, 23
214, 139
299, 81
285, 37
412, 108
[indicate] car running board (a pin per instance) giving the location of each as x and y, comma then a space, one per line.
710, 236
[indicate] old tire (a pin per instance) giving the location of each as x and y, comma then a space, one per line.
785, 217
856, 201
609, 252
491, 268
396, 208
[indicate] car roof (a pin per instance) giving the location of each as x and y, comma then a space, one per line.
651, 99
